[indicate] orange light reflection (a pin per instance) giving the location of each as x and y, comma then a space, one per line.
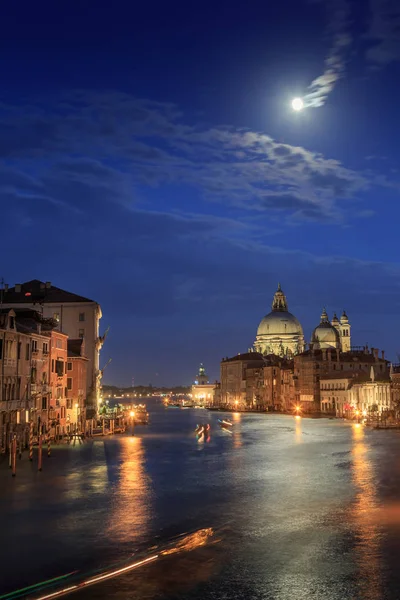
131, 508
365, 512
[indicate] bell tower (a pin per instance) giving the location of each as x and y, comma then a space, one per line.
345, 335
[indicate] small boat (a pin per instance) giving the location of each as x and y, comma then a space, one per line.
225, 423
202, 431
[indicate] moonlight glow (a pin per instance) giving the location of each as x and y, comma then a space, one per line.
297, 104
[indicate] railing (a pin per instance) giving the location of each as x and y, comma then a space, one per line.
9, 362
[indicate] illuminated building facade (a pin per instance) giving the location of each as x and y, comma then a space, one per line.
202, 389
76, 316
76, 382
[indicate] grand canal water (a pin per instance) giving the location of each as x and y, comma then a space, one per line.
299, 508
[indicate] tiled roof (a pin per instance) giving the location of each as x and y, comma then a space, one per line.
35, 291
246, 356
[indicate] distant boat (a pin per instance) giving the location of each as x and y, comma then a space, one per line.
225, 424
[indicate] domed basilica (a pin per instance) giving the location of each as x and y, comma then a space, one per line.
280, 333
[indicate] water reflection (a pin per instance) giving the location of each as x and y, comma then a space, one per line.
298, 430
367, 551
132, 504
237, 430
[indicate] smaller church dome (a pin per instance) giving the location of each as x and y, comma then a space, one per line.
344, 318
325, 336
335, 320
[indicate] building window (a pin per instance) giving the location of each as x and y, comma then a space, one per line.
56, 317
81, 316
59, 344
27, 352
69, 383
34, 345
69, 366
44, 403
81, 333
60, 367
45, 348
18, 350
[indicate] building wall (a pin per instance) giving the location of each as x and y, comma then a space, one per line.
335, 398
40, 378
58, 380
76, 389
234, 389
373, 396
68, 316
15, 373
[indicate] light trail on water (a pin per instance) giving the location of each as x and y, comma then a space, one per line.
182, 543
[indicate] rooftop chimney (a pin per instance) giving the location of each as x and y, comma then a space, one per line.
376, 353
18, 288
383, 355
6, 287
42, 285
48, 285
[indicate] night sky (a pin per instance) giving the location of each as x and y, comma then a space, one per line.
150, 159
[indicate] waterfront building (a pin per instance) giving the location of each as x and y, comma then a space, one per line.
253, 381
395, 386
313, 365
76, 383
233, 378
279, 332
58, 383
202, 389
365, 394
24, 371
75, 315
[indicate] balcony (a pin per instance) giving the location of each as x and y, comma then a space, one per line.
9, 362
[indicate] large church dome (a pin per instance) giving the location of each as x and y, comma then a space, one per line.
279, 332
325, 336
279, 322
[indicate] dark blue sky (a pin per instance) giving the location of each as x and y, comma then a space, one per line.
150, 159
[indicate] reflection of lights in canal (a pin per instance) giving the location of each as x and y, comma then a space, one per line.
184, 543
365, 513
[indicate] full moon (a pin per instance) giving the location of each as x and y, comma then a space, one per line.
297, 104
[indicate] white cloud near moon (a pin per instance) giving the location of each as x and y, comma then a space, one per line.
339, 18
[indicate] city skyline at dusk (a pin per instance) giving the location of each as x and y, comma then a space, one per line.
151, 160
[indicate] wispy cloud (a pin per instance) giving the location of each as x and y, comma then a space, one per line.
136, 143
338, 12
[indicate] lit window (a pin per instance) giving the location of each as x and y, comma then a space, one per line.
69, 383
56, 317
81, 333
